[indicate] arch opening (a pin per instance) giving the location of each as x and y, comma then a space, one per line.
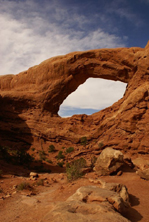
92, 96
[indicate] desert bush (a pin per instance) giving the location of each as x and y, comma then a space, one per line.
24, 186
74, 169
33, 149
93, 161
15, 156
60, 155
84, 141
48, 161
69, 150
42, 155
21, 157
4, 154
51, 148
60, 164
100, 145
40, 182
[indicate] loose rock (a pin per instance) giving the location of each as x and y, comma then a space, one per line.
109, 161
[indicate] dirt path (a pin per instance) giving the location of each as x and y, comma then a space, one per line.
25, 206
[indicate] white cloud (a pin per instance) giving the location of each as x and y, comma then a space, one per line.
29, 34
96, 94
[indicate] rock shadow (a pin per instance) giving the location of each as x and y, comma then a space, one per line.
132, 214
15, 134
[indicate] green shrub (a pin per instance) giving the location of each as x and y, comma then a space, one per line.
51, 148
21, 157
15, 156
69, 150
84, 141
24, 186
48, 161
60, 155
100, 145
74, 169
93, 161
60, 164
4, 154
33, 149
40, 182
42, 155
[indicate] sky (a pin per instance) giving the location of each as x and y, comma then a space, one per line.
35, 30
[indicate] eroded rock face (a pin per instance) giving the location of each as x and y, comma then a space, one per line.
30, 101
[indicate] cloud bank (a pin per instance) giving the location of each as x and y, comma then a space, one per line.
32, 31
92, 96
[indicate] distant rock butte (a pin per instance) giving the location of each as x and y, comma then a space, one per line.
31, 100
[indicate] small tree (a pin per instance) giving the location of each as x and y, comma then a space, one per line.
74, 169
69, 150
84, 141
51, 148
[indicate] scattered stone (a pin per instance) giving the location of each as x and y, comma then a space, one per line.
14, 187
86, 170
144, 174
109, 161
8, 195
119, 173
33, 174
141, 163
128, 161
97, 181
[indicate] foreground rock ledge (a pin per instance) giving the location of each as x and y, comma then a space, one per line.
89, 203
30, 101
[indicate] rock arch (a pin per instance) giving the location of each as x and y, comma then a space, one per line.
36, 95
49, 83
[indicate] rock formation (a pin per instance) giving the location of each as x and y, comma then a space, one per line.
109, 161
90, 203
30, 101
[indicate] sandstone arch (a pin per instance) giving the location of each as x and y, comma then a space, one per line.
49, 83
35, 96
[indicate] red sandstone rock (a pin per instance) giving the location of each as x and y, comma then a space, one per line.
30, 101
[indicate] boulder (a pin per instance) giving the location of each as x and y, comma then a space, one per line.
116, 187
33, 175
109, 161
141, 163
144, 174
89, 204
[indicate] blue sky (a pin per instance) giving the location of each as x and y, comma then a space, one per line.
34, 30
